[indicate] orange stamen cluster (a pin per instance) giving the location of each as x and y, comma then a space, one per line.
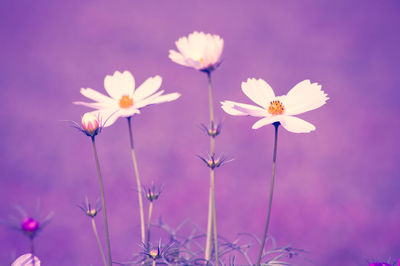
276, 108
125, 102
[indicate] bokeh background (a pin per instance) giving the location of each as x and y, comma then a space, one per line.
337, 188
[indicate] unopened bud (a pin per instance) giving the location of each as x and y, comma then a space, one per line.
29, 225
90, 124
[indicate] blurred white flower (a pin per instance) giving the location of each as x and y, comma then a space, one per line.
125, 100
26, 260
303, 97
199, 50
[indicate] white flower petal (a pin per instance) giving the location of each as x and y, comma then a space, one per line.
147, 88
165, 98
96, 96
128, 112
98, 105
146, 101
258, 91
107, 117
177, 57
235, 108
304, 97
26, 260
183, 46
120, 84
266, 121
296, 125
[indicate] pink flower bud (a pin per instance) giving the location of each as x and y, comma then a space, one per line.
29, 225
90, 124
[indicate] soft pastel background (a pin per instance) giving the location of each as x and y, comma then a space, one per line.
337, 189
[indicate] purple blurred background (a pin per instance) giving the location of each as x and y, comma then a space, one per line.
337, 188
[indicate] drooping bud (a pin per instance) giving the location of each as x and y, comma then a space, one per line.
90, 124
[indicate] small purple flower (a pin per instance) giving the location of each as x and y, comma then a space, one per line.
380, 264
29, 225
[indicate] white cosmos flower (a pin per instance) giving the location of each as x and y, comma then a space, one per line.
26, 260
303, 97
124, 99
199, 50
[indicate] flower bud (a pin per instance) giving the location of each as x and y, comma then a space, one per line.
30, 225
90, 124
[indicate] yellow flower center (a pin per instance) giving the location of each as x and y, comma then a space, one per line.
125, 102
153, 253
92, 212
276, 108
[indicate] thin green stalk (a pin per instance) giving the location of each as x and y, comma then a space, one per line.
211, 221
103, 203
98, 242
139, 186
214, 219
32, 251
271, 192
148, 223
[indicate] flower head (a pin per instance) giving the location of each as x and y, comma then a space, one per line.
303, 97
214, 162
25, 260
151, 193
124, 100
89, 210
29, 225
199, 51
213, 130
90, 124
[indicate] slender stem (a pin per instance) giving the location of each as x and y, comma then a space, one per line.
209, 225
32, 251
98, 242
214, 218
154, 263
103, 203
139, 186
271, 192
211, 203
148, 223
210, 98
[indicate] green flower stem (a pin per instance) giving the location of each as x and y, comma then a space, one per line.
139, 186
103, 203
32, 246
148, 223
214, 218
271, 192
211, 221
98, 242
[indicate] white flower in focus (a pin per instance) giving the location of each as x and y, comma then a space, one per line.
26, 260
303, 97
124, 100
198, 50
